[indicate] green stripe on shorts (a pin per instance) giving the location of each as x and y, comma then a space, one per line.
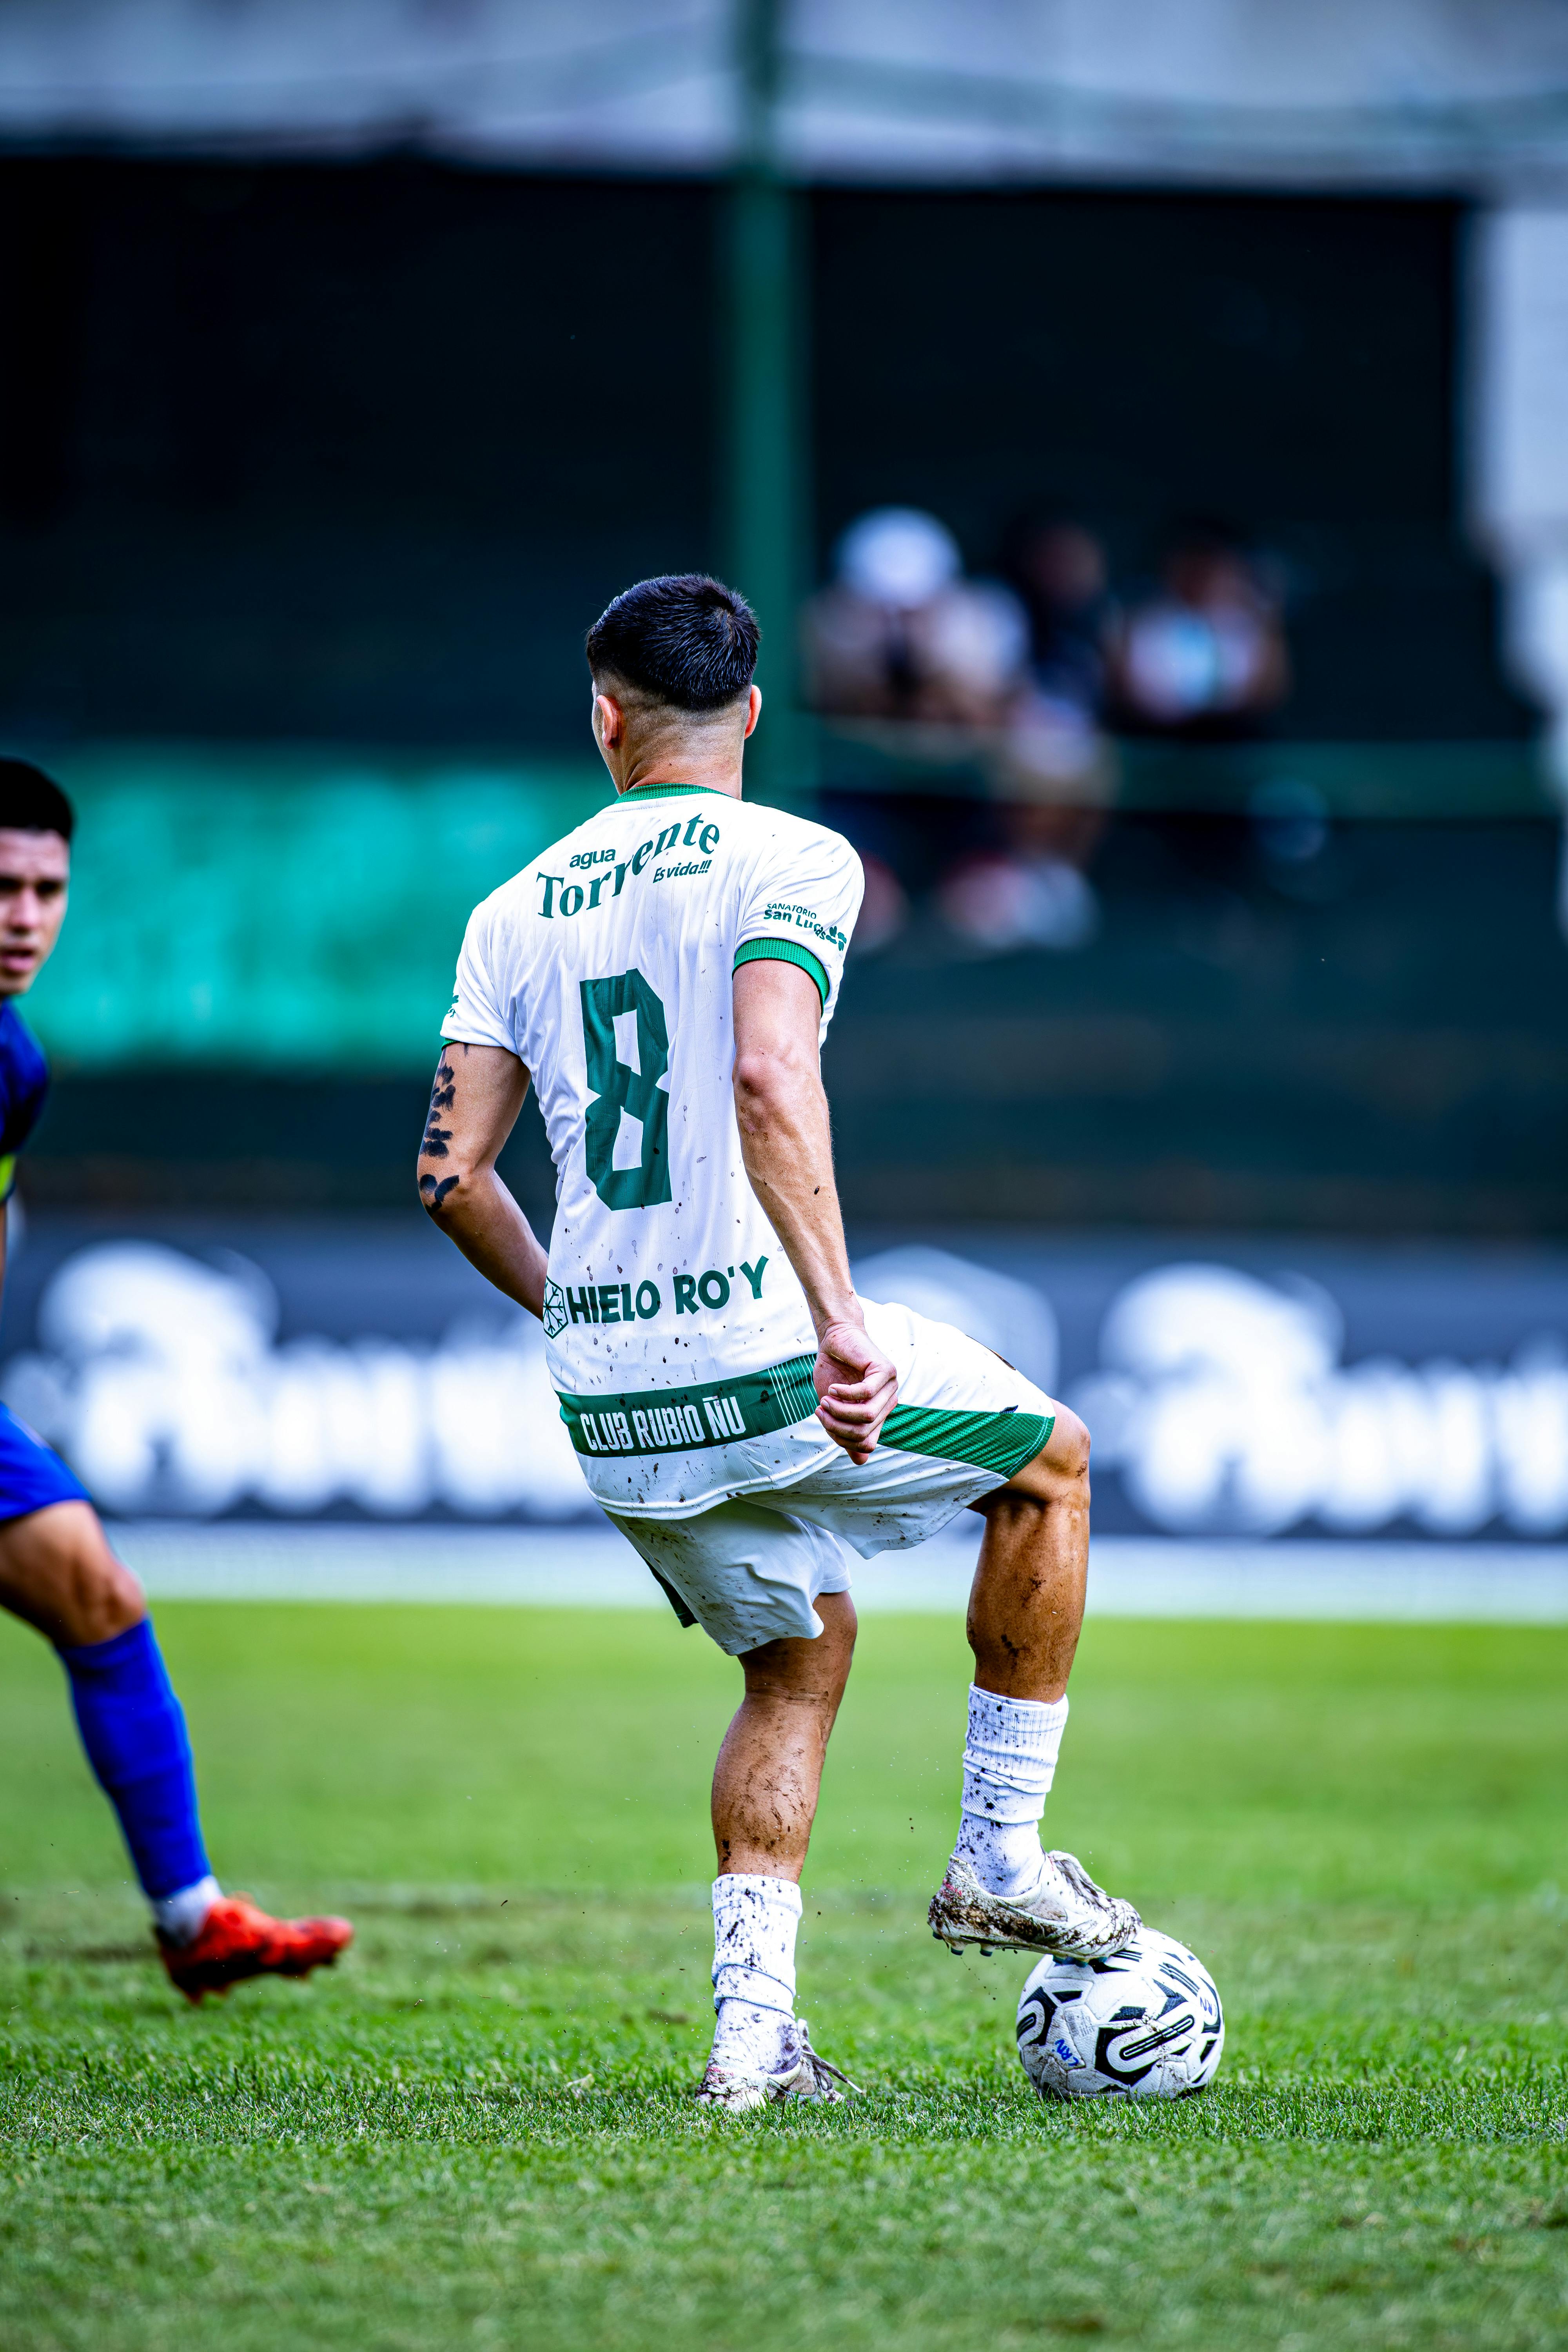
716, 1413
685, 1421
1001, 1442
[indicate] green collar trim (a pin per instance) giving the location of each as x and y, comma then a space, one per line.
668, 791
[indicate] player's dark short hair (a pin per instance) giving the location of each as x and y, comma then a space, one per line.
31, 802
683, 638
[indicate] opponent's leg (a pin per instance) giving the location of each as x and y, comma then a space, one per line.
1025, 1612
765, 1788
58, 1572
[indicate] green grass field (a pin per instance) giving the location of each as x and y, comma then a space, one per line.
478, 2130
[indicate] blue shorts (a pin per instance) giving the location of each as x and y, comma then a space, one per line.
31, 1474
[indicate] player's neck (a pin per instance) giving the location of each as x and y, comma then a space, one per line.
697, 774
707, 760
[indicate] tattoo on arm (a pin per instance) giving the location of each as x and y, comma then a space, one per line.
443, 1094
432, 1194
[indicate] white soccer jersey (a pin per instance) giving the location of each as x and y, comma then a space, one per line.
678, 1335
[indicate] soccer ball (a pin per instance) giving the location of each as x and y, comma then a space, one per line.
1145, 2023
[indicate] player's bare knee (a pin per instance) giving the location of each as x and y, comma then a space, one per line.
1068, 1449
104, 1597
57, 1571
1059, 1471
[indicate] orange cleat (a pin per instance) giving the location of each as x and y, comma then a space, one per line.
239, 1939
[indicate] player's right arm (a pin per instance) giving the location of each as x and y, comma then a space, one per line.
781, 1109
474, 1103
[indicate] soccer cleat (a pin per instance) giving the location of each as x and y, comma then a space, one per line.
809, 2077
731, 2093
239, 1939
1066, 1914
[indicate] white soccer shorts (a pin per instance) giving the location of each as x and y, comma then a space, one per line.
748, 1570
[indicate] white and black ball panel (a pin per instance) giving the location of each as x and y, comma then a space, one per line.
1144, 2023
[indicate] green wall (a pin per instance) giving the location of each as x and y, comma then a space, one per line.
282, 909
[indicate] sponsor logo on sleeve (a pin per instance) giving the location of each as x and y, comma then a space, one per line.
804, 919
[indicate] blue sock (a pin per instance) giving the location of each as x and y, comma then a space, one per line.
134, 1730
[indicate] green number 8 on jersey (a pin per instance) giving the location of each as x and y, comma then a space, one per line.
626, 1047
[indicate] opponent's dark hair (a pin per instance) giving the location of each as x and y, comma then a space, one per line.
31, 802
683, 638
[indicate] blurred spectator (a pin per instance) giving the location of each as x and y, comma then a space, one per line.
1055, 761
1053, 773
900, 634
1060, 574
977, 674
1204, 657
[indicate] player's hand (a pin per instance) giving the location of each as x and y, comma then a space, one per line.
857, 1386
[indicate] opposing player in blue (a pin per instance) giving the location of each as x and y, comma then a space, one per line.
56, 1570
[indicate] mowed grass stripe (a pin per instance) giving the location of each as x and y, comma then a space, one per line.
478, 2130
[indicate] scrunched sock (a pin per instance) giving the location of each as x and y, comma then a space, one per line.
1009, 1763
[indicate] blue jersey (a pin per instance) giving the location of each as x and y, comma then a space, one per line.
31, 1475
24, 1085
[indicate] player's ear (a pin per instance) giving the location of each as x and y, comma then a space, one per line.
609, 721
753, 708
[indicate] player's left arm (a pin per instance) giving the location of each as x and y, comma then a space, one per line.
474, 1103
781, 1111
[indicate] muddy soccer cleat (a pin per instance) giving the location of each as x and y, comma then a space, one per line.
811, 2077
239, 1939
724, 2090
1066, 1914
808, 2077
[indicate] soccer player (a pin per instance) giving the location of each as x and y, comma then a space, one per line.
56, 1570
665, 976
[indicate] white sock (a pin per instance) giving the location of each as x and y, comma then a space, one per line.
754, 1923
183, 1914
1009, 1763
752, 2040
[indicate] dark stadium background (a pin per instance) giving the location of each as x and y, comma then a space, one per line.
330, 455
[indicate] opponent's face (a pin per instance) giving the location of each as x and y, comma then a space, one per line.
34, 874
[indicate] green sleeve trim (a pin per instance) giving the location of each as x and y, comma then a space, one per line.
784, 951
1003, 1441
7, 1175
